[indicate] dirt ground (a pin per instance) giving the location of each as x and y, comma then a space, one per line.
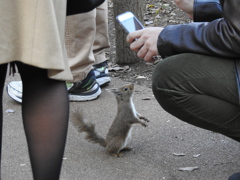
157, 13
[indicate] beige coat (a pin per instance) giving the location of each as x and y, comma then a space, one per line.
32, 31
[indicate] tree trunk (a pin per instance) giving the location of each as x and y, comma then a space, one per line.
123, 53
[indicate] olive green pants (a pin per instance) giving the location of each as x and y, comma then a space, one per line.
200, 90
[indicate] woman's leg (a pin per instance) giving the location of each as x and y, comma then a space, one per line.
200, 90
45, 110
3, 69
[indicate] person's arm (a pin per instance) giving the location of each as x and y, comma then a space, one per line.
200, 10
206, 10
220, 37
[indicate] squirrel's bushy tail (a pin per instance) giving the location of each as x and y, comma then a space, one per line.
88, 128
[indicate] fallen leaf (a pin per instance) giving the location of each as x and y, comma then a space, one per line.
196, 155
146, 98
116, 69
157, 16
148, 22
140, 77
179, 154
188, 168
151, 6
9, 111
126, 68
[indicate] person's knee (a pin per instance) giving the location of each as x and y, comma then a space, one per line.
173, 70
161, 83
166, 77
165, 74
160, 76
157, 80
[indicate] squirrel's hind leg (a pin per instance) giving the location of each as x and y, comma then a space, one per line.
126, 149
114, 146
120, 154
117, 154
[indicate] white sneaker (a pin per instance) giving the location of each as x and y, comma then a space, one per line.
14, 90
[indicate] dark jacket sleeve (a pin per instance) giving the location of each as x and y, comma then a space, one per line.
206, 10
220, 37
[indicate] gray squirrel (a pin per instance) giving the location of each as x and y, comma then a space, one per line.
119, 133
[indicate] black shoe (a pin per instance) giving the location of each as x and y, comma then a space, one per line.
235, 176
85, 90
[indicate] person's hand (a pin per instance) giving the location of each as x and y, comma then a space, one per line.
186, 6
144, 42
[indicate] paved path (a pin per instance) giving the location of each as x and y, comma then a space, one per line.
156, 149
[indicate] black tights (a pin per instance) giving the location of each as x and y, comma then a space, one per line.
45, 111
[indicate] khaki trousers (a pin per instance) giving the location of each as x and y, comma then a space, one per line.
86, 40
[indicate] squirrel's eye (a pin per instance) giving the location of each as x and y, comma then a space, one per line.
125, 89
